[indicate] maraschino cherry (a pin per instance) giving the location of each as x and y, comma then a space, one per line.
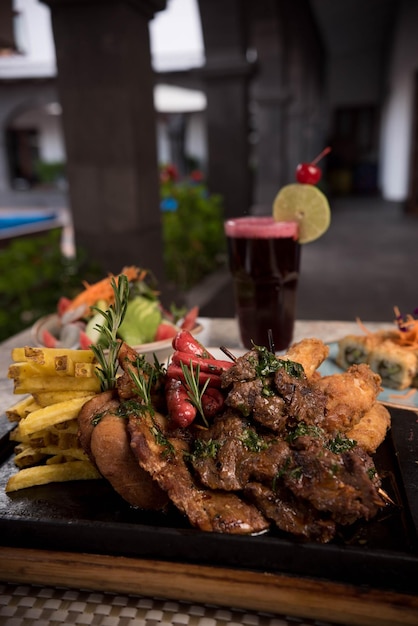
310, 173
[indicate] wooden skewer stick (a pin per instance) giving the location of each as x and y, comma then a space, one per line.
385, 496
228, 353
271, 341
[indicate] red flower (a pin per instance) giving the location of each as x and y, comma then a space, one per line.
197, 176
169, 173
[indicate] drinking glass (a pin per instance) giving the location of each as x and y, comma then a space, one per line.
264, 258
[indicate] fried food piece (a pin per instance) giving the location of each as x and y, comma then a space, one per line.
58, 472
22, 409
103, 436
355, 349
349, 396
310, 353
45, 398
52, 358
371, 430
51, 415
396, 366
36, 384
115, 460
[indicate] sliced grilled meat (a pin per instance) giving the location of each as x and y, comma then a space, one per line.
337, 483
244, 368
290, 514
231, 452
164, 458
270, 412
303, 402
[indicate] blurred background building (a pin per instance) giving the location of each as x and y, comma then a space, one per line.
353, 85
94, 96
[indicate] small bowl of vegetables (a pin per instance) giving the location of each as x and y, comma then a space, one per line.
147, 326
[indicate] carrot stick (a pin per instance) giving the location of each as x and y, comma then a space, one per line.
102, 290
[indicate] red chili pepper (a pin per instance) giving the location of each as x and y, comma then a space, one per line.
185, 342
175, 371
180, 410
213, 366
212, 402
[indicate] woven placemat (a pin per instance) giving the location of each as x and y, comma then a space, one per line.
31, 605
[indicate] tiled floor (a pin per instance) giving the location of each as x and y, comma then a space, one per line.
28, 605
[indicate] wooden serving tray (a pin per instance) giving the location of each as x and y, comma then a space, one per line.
260, 591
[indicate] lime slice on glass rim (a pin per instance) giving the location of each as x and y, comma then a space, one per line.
304, 204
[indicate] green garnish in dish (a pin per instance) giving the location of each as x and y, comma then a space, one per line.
107, 351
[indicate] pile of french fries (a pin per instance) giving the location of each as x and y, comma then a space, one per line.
55, 383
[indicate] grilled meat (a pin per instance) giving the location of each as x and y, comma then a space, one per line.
231, 452
276, 453
164, 458
290, 514
339, 483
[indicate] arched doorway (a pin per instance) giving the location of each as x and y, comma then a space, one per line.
35, 145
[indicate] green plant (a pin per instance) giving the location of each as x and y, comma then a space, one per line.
193, 235
34, 274
49, 172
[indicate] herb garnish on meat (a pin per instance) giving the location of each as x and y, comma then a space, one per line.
268, 364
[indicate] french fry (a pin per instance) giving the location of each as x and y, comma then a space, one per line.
61, 367
36, 384
57, 472
58, 383
22, 408
35, 440
50, 415
45, 398
65, 428
47, 356
25, 456
25, 369
74, 454
84, 370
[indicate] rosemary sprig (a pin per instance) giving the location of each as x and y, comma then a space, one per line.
144, 377
113, 317
194, 392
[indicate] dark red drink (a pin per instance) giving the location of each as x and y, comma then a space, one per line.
264, 260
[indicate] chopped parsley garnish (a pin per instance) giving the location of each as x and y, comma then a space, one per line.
305, 430
252, 441
133, 406
340, 444
268, 364
205, 449
162, 440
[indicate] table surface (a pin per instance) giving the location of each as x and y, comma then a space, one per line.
25, 603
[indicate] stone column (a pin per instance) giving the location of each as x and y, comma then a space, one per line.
226, 75
105, 83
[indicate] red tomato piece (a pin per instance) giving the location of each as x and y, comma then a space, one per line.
166, 331
189, 320
49, 340
85, 341
63, 304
